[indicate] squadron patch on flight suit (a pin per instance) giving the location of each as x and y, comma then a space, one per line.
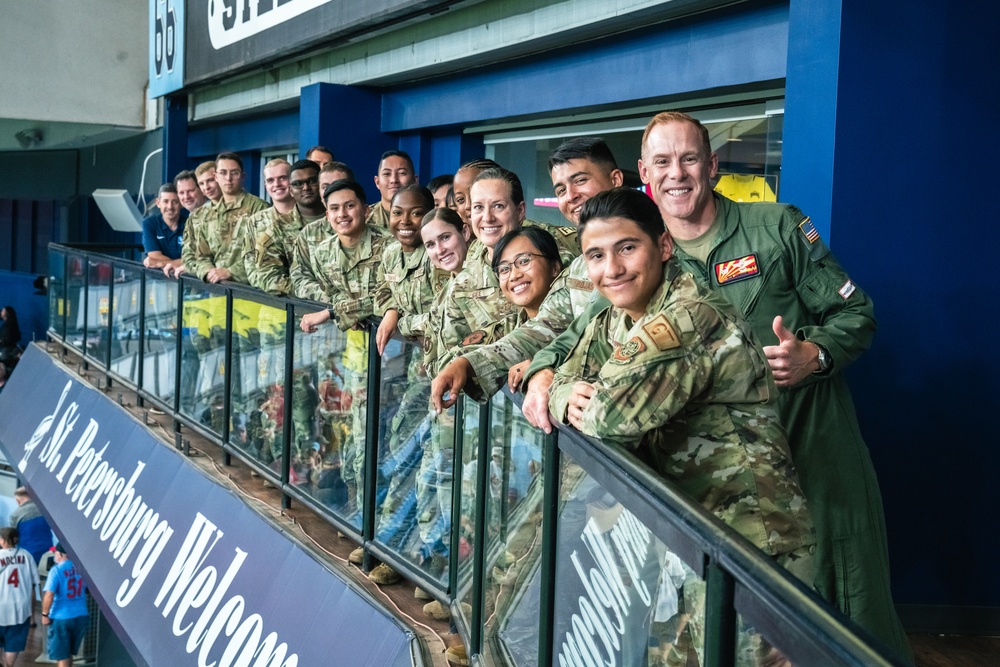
661, 333
740, 268
847, 289
623, 354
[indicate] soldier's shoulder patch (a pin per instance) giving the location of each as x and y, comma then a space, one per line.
808, 230
624, 353
847, 289
733, 270
576, 283
662, 333
474, 338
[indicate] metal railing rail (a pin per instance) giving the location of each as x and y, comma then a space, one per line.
741, 583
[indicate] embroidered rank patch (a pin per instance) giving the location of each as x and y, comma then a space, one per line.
737, 269
808, 230
623, 354
661, 333
847, 289
474, 338
576, 283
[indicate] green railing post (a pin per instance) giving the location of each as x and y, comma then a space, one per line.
479, 574
551, 469
720, 617
227, 381
370, 480
456, 498
140, 375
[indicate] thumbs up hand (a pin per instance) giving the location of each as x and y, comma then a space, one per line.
791, 360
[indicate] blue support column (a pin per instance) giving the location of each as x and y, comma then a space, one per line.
175, 136
348, 120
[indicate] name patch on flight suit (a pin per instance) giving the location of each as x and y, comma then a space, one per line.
661, 333
737, 269
623, 353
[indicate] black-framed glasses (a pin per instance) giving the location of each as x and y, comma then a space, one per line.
298, 185
522, 262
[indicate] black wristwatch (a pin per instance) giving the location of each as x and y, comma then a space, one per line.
824, 358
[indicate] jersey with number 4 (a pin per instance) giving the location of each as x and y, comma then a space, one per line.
18, 579
66, 584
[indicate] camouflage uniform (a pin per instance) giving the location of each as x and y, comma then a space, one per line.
347, 280
270, 242
322, 271
686, 387
566, 239
217, 237
568, 296
794, 274
378, 216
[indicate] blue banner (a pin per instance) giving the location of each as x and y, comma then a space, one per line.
166, 47
186, 572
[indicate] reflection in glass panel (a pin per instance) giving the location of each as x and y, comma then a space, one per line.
75, 282
415, 463
258, 381
57, 304
329, 372
203, 355
467, 508
752, 648
514, 512
159, 357
125, 322
622, 597
98, 309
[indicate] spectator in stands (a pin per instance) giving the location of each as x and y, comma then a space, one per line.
395, 171
163, 231
321, 155
213, 247
33, 529
10, 338
18, 583
269, 252
333, 171
188, 191
439, 186
64, 609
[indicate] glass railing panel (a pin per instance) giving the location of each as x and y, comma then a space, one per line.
514, 515
622, 596
330, 376
76, 280
125, 324
754, 648
203, 355
415, 464
467, 512
159, 354
57, 299
98, 310
258, 381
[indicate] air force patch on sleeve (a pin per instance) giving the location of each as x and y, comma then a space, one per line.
623, 354
847, 289
661, 333
740, 268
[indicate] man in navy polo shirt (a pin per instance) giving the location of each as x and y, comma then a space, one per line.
163, 231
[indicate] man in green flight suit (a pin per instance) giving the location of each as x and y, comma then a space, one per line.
769, 261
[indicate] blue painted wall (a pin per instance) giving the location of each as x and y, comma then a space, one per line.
915, 124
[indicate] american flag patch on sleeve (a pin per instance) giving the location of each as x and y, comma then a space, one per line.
808, 230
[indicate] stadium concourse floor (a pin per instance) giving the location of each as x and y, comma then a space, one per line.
317, 536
